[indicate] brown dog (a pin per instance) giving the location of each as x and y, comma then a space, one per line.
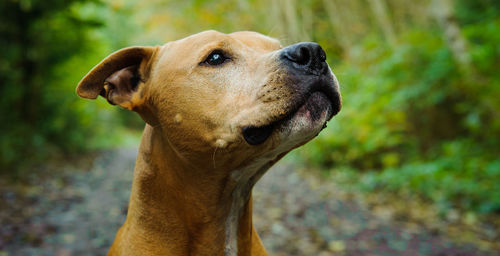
220, 110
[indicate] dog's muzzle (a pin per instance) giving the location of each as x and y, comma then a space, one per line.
306, 65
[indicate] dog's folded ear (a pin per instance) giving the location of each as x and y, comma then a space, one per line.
118, 76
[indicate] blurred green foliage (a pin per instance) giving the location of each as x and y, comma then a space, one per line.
419, 79
47, 46
417, 122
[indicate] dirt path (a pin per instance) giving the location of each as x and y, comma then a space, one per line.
75, 212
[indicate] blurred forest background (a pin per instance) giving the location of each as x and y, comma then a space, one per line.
420, 82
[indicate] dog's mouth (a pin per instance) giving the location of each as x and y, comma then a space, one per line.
320, 100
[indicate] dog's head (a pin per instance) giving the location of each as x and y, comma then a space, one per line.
224, 97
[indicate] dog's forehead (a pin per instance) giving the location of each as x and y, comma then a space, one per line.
256, 40
213, 38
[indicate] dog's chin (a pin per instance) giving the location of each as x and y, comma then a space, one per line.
309, 119
300, 125
316, 109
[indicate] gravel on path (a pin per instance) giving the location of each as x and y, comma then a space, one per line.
77, 212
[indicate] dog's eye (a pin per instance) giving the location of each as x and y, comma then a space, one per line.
215, 58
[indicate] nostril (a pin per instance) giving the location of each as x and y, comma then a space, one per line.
303, 56
308, 57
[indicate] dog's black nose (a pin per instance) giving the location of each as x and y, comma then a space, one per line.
308, 57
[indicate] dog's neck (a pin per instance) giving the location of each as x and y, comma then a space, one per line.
187, 210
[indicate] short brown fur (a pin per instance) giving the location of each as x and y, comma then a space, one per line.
193, 167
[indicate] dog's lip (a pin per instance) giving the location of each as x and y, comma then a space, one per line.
255, 135
321, 85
